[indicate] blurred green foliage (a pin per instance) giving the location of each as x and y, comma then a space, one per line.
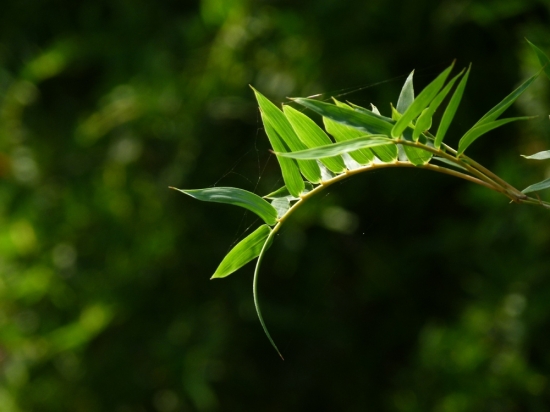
397, 291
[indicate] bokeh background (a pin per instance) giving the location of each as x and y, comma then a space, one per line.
398, 290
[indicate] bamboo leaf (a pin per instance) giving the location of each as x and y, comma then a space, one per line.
246, 250
496, 111
543, 58
417, 156
281, 205
312, 136
339, 148
283, 192
289, 168
367, 123
545, 184
450, 111
420, 103
342, 133
539, 156
273, 115
448, 162
406, 97
373, 113
480, 130
237, 197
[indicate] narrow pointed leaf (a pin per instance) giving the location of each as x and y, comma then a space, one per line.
312, 136
246, 250
339, 148
386, 154
283, 192
289, 168
406, 97
450, 111
417, 157
273, 115
420, 103
496, 111
237, 197
373, 113
543, 58
350, 162
480, 130
342, 133
545, 184
367, 123
539, 156
375, 109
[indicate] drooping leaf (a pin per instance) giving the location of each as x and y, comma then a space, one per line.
273, 115
406, 97
420, 103
424, 122
367, 123
543, 58
340, 148
289, 168
246, 250
474, 133
539, 156
545, 184
417, 156
281, 205
496, 111
450, 111
283, 192
312, 136
237, 197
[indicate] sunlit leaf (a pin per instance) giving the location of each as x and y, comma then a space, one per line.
283, 192
420, 103
278, 121
416, 156
545, 184
480, 130
340, 148
312, 136
367, 123
496, 111
543, 58
450, 111
237, 197
246, 250
406, 97
281, 205
342, 133
539, 156
291, 173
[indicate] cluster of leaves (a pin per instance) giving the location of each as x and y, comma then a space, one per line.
363, 140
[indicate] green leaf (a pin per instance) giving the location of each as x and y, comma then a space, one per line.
545, 184
416, 156
237, 197
373, 113
424, 122
247, 249
271, 114
289, 168
420, 103
450, 111
539, 156
281, 205
543, 58
496, 111
283, 192
448, 162
343, 133
367, 123
406, 97
339, 148
313, 136
472, 134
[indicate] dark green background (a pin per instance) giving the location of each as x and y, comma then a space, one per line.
398, 290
